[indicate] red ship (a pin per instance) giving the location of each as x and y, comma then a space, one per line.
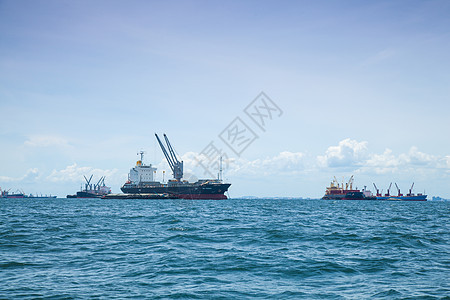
337, 191
7, 194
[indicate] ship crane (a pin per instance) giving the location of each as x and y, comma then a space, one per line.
378, 191
88, 185
174, 163
99, 183
349, 183
399, 194
410, 190
337, 182
388, 190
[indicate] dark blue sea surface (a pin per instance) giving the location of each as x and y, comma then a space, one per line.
200, 249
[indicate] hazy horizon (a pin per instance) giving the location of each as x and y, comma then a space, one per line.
355, 88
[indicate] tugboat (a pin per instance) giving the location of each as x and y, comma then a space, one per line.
97, 190
140, 180
337, 191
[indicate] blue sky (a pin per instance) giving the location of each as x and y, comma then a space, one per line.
363, 86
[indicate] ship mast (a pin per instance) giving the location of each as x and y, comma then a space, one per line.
219, 176
141, 153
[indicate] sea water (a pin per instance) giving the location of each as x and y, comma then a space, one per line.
244, 249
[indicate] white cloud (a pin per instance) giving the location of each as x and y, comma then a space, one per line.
46, 141
74, 173
284, 163
383, 163
414, 161
348, 153
30, 176
354, 155
415, 157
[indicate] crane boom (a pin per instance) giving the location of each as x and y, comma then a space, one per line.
388, 190
169, 159
350, 182
399, 194
410, 190
376, 189
88, 185
97, 186
337, 182
171, 152
174, 163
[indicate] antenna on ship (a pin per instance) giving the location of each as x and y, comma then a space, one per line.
219, 176
141, 161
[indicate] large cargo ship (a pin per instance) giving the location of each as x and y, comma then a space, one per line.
400, 197
141, 181
337, 191
341, 191
96, 190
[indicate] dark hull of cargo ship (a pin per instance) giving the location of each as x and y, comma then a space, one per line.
13, 196
182, 191
139, 196
83, 194
348, 196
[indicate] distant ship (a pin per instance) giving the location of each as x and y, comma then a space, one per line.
20, 195
7, 194
141, 181
39, 196
408, 197
97, 190
337, 191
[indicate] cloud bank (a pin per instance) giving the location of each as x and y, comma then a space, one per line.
75, 173
347, 157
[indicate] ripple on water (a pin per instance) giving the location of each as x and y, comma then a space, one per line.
93, 248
